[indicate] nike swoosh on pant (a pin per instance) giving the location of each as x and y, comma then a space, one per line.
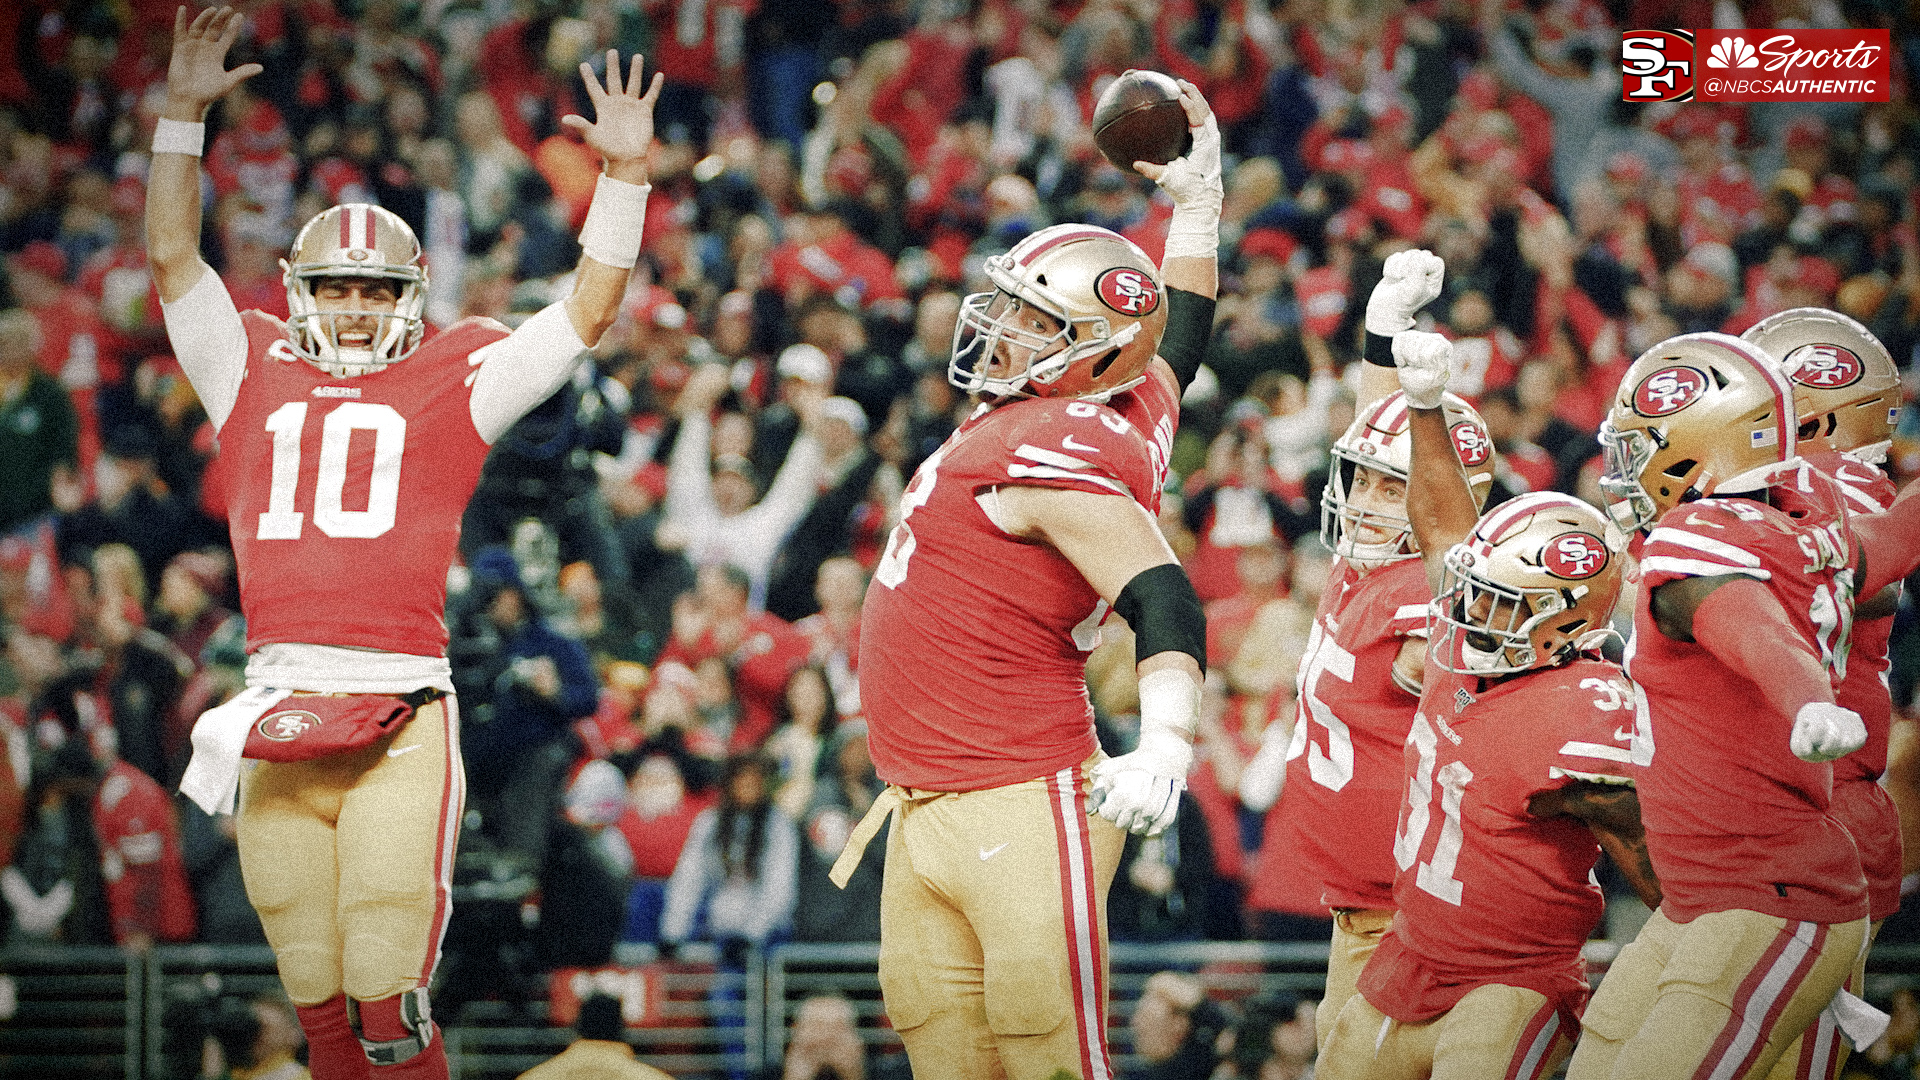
398, 750
988, 853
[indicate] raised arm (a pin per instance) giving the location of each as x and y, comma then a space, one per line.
1116, 545
1612, 811
536, 359
197, 76
1409, 281
1440, 505
1190, 268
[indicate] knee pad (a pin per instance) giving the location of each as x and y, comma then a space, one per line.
395, 1029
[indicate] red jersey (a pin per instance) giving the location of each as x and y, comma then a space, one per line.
973, 642
370, 474
1335, 817
1859, 801
140, 859
1488, 892
1734, 820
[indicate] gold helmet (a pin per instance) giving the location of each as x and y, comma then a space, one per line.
1101, 290
1379, 439
1530, 587
1846, 389
1695, 415
355, 240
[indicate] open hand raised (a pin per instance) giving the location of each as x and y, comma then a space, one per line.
622, 128
197, 74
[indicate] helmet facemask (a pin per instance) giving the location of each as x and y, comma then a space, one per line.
350, 241
1627, 455
1494, 623
990, 320
1341, 521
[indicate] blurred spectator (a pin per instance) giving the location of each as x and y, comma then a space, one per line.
824, 1044
847, 471
140, 853
834, 629
710, 498
844, 791
523, 685
755, 652
584, 875
258, 1038
600, 1053
132, 506
39, 428
212, 860
190, 609
659, 816
734, 881
1272, 1040
1175, 1026
53, 889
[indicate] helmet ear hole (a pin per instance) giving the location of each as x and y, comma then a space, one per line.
1679, 469
1101, 365
1719, 377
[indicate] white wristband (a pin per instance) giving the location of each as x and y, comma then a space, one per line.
615, 220
1194, 232
1169, 701
178, 137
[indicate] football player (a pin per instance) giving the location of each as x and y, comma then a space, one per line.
1359, 684
1749, 565
1016, 539
1514, 778
354, 444
1847, 395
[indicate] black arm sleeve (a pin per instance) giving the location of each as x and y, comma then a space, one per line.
1164, 612
1183, 345
1379, 350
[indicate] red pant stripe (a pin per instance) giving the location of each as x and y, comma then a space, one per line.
452, 800
1082, 922
1536, 1040
1762, 996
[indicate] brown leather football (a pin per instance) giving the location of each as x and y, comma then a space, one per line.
1139, 118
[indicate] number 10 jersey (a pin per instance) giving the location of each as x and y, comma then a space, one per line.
346, 494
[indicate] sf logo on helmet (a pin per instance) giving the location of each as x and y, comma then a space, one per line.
1128, 291
287, 725
1824, 367
1668, 390
1575, 556
1471, 444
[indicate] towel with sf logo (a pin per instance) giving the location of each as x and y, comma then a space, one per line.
277, 725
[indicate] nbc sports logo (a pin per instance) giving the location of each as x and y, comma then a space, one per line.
1733, 52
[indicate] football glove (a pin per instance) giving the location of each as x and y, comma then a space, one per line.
1823, 731
1140, 791
1410, 281
1425, 361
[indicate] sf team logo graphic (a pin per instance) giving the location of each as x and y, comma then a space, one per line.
287, 724
1471, 443
1575, 556
1127, 291
1656, 65
1824, 367
1668, 390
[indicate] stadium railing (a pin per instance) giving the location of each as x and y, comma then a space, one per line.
106, 1014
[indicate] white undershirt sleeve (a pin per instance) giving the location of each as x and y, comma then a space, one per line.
211, 344
523, 369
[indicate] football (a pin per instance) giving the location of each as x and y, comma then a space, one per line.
1139, 118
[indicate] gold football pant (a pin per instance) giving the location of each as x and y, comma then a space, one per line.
1356, 933
993, 931
349, 859
1820, 1053
1494, 1032
1718, 998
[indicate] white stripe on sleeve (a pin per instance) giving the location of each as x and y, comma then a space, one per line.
1699, 568
1051, 457
210, 342
1704, 544
1048, 472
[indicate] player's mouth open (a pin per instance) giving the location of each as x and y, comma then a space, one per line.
356, 339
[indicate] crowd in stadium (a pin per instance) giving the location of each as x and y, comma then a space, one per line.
655, 623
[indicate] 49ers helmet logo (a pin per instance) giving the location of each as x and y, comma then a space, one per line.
1575, 555
287, 724
1471, 443
1668, 390
1824, 367
1127, 291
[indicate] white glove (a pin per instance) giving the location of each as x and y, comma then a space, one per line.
1140, 791
1193, 180
1410, 281
1425, 362
1823, 731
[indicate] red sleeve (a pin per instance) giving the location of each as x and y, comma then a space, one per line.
1594, 701
1743, 625
1890, 542
1082, 447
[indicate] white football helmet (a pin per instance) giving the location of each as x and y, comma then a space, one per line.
1695, 415
355, 240
1846, 388
1379, 438
1530, 587
1100, 288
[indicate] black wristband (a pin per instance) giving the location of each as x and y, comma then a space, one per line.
1183, 344
1165, 614
1379, 350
